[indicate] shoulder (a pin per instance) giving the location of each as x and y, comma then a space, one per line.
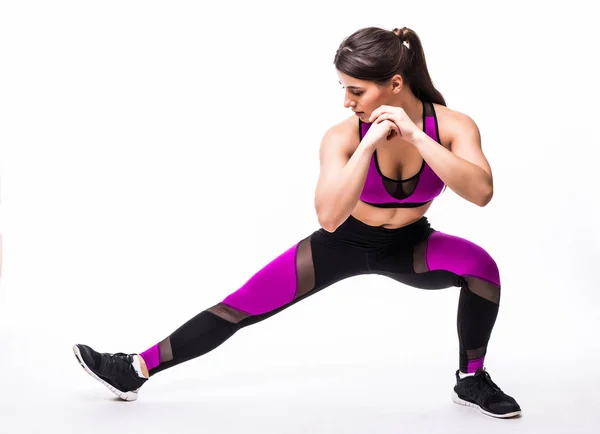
343, 136
452, 124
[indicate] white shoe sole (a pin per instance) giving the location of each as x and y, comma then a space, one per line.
125, 396
459, 401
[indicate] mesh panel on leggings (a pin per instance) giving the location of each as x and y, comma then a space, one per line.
305, 269
228, 313
305, 282
166, 353
477, 353
483, 289
419, 257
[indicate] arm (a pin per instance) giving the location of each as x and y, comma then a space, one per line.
341, 177
465, 168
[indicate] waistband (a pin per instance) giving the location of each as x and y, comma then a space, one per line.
359, 234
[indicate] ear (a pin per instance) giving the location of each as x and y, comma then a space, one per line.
397, 83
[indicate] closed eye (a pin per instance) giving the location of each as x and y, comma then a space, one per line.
355, 92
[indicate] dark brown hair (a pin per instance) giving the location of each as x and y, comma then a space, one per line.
376, 54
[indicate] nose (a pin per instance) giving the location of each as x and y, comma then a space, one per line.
348, 102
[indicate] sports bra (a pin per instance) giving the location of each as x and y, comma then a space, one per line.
418, 190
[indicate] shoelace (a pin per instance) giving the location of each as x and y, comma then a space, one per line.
117, 363
485, 385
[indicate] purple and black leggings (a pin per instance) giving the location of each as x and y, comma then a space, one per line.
415, 255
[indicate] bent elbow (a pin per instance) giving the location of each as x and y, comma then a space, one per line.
327, 223
486, 197
330, 228
326, 220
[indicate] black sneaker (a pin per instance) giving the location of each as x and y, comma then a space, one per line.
115, 371
481, 392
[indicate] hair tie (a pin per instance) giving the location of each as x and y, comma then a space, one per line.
401, 33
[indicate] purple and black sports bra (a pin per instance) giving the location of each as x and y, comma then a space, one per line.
418, 190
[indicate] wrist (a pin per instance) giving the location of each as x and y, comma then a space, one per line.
417, 137
367, 147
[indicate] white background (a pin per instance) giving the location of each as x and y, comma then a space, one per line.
155, 155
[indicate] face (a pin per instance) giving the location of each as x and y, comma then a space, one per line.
362, 96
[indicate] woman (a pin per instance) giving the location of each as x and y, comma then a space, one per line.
380, 171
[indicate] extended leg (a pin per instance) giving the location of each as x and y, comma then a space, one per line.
309, 266
281, 283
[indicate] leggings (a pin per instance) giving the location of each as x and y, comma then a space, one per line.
415, 255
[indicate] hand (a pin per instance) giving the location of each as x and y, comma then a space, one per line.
380, 131
406, 127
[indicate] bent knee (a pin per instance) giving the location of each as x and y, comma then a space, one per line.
461, 257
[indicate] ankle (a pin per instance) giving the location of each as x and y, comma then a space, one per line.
143, 366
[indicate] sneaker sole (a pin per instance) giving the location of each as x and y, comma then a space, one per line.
125, 396
459, 401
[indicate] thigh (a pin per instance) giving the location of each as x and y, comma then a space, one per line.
462, 257
473, 267
440, 260
307, 267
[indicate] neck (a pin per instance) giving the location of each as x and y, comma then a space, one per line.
413, 107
